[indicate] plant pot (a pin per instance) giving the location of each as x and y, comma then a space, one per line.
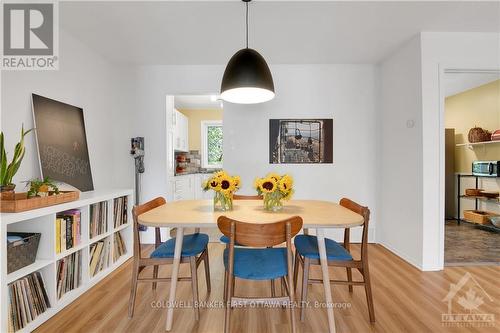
7, 192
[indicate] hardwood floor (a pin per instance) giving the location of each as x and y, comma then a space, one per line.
406, 300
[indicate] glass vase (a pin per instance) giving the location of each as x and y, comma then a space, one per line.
222, 203
273, 201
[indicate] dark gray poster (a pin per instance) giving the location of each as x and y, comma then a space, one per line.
300, 141
62, 143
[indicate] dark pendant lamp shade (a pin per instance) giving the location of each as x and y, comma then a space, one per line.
247, 78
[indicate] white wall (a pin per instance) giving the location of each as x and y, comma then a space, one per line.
441, 51
87, 80
345, 93
400, 190
411, 221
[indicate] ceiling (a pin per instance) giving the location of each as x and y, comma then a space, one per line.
455, 83
209, 32
198, 102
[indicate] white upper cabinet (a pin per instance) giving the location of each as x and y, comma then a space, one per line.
181, 132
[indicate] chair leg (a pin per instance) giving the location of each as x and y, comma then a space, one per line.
225, 286
229, 287
273, 288
305, 282
207, 271
194, 282
349, 277
155, 275
368, 291
292, 306
296, 271
233, 284
133, 289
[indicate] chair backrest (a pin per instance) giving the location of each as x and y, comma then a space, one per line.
141, 209
247, 197
259, 235
363, 211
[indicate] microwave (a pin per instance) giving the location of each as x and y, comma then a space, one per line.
486, 168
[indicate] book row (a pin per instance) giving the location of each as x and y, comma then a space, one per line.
120, 211
68, 230
98, 219
119, 248
69, 273
99, 256
27, 300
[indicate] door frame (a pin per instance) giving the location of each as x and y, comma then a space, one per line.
443, 70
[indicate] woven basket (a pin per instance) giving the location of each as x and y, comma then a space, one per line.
22, 253
477, 134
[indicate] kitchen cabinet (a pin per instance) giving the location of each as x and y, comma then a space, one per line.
183, 187
188, 187
181, 132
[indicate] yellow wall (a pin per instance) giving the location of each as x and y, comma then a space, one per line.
476, 107
195, 117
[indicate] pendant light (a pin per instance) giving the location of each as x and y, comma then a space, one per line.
247, 78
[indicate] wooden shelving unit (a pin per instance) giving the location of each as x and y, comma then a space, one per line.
476, 199
43, 221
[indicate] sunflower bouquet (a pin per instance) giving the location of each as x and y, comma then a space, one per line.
224, 187
275, 189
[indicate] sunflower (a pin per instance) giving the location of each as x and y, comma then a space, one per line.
268, 185
288, 195
219, 174
237, 181
285, 184
226, 184
214, 183
274, 176
257, 182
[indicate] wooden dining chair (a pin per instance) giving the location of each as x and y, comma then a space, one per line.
339, 256
263, 262
194, 251
225, 240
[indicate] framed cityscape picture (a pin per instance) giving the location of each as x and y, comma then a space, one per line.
300, 141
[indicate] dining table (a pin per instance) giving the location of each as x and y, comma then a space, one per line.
316, 214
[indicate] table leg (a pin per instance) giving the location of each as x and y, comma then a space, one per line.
326, 279
175, 273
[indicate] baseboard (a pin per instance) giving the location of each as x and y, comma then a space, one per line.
403, 256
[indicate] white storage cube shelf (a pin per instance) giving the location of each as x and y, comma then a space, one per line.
43, 221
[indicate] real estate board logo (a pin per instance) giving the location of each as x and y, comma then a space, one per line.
464, 300
30, 39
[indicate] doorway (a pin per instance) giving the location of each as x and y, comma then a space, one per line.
471, 116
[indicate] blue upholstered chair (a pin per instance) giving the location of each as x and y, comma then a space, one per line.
225, 240
307, 254
260, 263
194, 251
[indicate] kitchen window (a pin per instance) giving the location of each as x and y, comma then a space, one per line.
212, 143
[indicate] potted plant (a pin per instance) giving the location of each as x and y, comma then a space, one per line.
224, 187
42, 188
275, 188
8, 171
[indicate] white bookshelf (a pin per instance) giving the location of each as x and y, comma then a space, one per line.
43, 221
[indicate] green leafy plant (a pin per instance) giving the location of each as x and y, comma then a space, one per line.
39, 186
8, 171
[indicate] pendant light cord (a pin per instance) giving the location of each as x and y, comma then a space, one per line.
247, 23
